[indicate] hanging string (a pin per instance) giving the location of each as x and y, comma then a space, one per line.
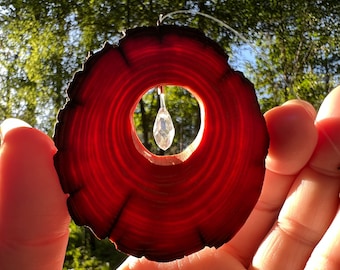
262, 55
193, 12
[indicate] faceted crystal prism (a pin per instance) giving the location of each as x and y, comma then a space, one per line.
163, 128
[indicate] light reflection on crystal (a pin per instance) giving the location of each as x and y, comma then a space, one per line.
163, 128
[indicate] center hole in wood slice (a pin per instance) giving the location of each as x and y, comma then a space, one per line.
187, 114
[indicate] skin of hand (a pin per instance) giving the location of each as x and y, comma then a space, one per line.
33, 215
294, 225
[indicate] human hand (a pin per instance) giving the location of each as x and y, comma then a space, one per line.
298, 205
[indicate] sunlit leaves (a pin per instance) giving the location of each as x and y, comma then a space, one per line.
300, 55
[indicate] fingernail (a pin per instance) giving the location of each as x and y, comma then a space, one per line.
330, 106
9, 124
128, 263
306, 105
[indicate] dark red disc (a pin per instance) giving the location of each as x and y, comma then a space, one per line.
160, 207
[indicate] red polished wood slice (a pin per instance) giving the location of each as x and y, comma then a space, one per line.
160, 207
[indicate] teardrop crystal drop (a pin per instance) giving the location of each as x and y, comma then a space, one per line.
163, 129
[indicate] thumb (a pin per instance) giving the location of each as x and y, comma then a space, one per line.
33, 214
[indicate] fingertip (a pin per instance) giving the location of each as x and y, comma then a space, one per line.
326, 158
10, 124
134, 263
309, 108
129, 263
330, 106
293, 136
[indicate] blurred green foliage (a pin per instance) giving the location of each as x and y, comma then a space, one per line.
86, 252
